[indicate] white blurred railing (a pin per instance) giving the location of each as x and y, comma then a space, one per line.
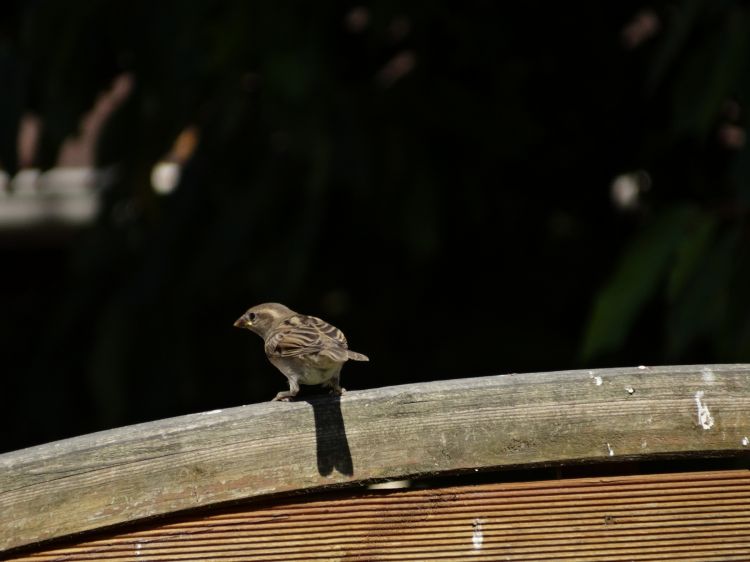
60, 196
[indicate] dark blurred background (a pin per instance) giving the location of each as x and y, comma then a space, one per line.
465, 188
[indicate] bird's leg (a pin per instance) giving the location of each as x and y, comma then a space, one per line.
333, 383
287, 395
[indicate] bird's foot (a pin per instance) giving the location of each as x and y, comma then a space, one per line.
338, 390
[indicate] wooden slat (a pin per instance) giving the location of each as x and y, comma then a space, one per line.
685, 516
199, 460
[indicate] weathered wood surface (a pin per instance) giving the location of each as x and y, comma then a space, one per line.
688, 516
166, 466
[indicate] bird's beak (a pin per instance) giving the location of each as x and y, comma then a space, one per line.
243, 322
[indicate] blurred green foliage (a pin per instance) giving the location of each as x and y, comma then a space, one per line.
433, 178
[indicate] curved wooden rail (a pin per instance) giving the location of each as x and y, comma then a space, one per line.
162, 467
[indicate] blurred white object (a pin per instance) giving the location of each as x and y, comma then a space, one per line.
62, 196
165, 176
23, 183
626, 189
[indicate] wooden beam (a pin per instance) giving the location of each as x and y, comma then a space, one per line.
162, 467
683, 516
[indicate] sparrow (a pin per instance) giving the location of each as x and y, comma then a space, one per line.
306, 349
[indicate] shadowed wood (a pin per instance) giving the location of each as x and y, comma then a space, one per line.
162, 467
684, 516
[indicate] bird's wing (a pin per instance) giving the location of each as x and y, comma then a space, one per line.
304, 336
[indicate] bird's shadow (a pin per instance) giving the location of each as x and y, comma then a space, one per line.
332, 446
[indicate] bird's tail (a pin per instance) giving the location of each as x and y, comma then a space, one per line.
354, 356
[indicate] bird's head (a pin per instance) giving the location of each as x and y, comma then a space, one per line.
263, 318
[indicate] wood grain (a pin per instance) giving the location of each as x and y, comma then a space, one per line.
683, 516
162, 467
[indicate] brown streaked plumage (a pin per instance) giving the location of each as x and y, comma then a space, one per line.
304, 348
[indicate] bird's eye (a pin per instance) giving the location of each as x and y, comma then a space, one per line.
251, 316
